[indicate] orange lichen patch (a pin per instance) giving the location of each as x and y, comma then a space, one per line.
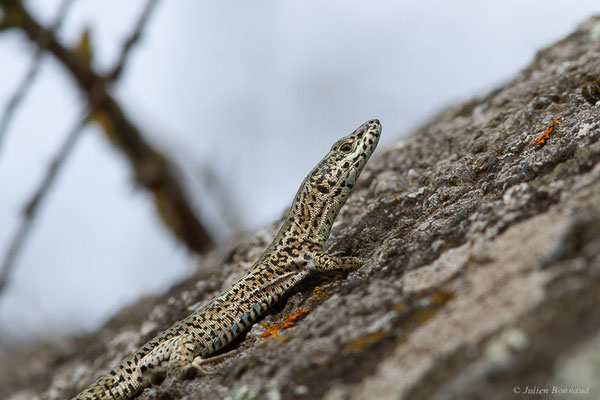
546, 135
358, 345
442, 296
438, 299
290, 321
417, 309
319, 296
425, 315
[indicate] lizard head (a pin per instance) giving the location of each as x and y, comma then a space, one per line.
340, 168
350, 154
329, 184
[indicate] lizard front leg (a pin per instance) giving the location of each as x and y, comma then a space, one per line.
322, 261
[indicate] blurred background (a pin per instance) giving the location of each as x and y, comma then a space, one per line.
243, 98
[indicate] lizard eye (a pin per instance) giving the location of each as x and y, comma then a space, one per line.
346, 148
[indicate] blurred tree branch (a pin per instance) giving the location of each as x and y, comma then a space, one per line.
152, 169
25, 84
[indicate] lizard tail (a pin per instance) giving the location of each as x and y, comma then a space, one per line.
123, 382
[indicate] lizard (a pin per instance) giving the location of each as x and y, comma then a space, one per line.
297, 249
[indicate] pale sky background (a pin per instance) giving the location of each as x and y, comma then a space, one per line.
256, 90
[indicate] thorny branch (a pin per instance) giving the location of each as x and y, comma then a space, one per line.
151, 168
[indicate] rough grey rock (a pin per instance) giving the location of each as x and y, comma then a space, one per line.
483, 279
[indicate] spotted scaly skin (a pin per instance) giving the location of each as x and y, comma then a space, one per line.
297, 249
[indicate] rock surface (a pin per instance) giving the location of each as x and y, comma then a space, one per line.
483, 278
